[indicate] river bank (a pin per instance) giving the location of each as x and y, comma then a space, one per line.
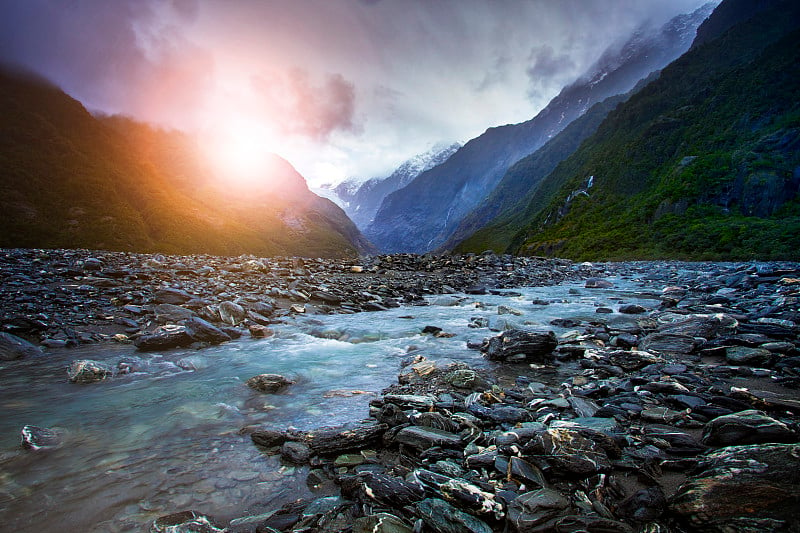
657, 379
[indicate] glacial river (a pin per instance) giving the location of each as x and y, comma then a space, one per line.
166, 437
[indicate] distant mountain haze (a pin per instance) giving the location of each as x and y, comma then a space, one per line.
423, 215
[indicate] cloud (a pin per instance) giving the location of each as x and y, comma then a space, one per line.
547, 68
299, 107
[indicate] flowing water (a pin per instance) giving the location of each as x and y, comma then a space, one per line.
166, 437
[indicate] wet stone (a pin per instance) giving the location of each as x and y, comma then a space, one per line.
746, 427
186, 522
445, 518
87, 371
537, 511
39, 438
268, 383
742, 355
13, 347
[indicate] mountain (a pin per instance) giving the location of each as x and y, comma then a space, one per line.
702, 163
423, 215
72, 180
361, 200
492, 224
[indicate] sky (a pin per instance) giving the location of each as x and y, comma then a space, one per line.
341, 88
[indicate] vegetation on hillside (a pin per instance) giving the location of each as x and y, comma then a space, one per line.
703, 163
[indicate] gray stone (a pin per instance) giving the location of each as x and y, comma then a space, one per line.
514, 343
87, 371
39, 438
13, 347
423, 438
172, 296
742, 355
186, 522
231, 313
597, 283
743, 488
668, 343
296, 452
268, 383
746, 427
203, 331
444, 518
538, 510
632, 309
164, 338
381, 523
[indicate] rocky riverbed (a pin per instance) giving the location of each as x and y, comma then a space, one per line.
676, 410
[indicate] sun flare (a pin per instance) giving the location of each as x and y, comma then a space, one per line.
240, 150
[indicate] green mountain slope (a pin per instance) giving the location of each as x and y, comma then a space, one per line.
493, 224
703, 163
68, 179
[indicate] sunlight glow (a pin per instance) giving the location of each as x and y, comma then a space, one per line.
240, 149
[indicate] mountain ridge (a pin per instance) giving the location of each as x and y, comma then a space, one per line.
421, 216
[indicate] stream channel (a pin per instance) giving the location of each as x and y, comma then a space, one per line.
166, 437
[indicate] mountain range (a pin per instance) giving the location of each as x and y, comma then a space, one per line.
71, 179
362, 199
701, 163
423, 215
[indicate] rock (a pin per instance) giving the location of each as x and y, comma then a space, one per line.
423, 438
258, 331
632, 309
442, 517
506, 310
87, 371
387, 490
39, 438
172, 313
565, 450
164, 338
643, 505
171, 296
381, 523
519, 344
597, 283
668, 343
13, 347
741, 355
268, 437
743, 488
202, 331
746, 427
186, 522
268, 383
537, 511
231, 313
460, 493
336, 440
296, 452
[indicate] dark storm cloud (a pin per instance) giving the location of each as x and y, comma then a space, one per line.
301, 107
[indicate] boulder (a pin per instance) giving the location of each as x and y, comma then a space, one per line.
296, 452
13, 347
442, 517
519, 344
423, 438
632, 309
231, 313
203, 331
172, 313
537, 511
39, 438
668, 343
335, 440
597, 283
164, 338
743, 488
566, 451
186, 522
742, 355
746, 427
268, 383
381, 522
87, 371
171, 296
